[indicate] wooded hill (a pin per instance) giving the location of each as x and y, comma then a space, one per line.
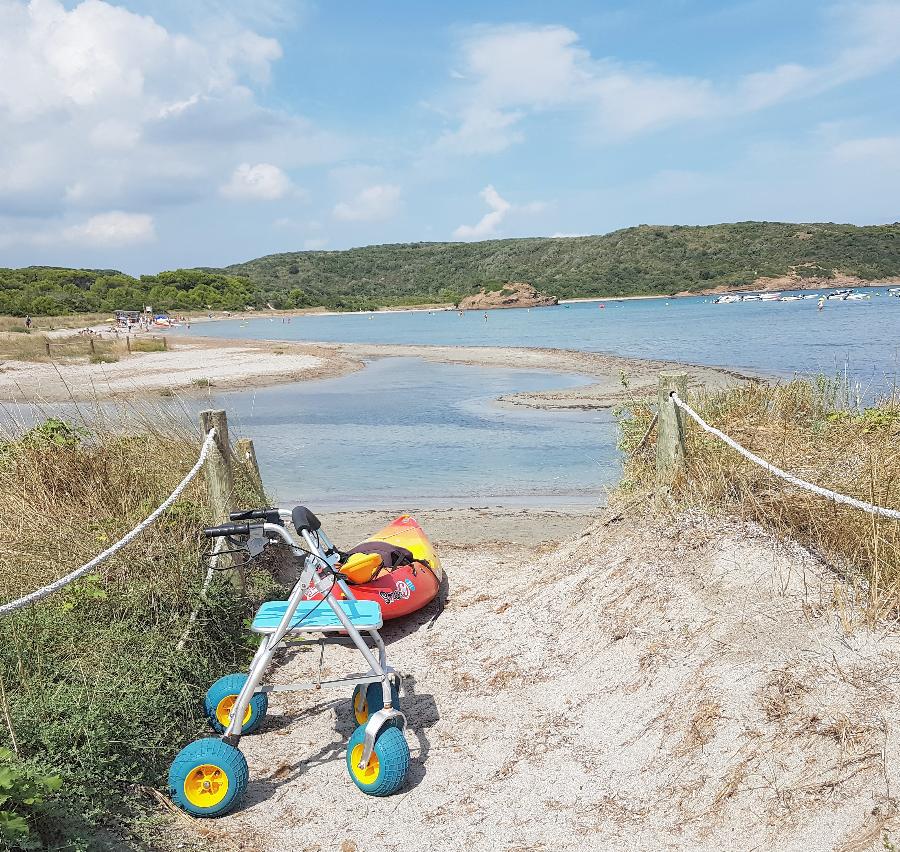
643, 260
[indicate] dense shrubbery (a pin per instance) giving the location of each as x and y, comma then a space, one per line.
48, 291
634, 261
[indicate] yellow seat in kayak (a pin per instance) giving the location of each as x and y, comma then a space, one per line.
361, 567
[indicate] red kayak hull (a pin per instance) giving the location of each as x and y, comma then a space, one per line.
409, 587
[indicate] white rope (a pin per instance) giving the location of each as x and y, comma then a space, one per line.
794, 480
35, 596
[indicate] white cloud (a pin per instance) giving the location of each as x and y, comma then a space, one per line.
101, 108
489, 224
374, 203
262, 182
510, 72
878, 151
113, 229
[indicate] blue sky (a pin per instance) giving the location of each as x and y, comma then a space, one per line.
149, 135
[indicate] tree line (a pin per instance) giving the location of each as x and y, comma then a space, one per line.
644, 260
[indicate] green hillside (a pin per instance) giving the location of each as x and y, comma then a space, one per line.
644, 260
634, 261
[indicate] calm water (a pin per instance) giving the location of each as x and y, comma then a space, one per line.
407, 432
402, 433
778, 338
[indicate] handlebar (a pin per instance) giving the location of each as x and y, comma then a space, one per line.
270, 515
227, 529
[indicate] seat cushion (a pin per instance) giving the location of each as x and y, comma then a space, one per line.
317, 616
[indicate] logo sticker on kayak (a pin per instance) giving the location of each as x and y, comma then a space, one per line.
401, 593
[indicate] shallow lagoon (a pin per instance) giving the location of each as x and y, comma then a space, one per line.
404, 432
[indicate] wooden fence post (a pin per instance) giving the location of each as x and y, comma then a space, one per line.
246, 454
92, 346
220, 479
47, 344
670, 429
128, 345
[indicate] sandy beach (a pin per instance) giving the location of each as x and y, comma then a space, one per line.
197, 364
641, 683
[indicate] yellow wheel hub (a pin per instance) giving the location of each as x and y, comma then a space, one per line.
224, 708
369, 775
360, 707
206, 785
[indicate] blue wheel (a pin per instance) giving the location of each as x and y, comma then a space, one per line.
220, 699
208, 778
386, 770
368, 698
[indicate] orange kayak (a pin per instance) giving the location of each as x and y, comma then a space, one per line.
407, 587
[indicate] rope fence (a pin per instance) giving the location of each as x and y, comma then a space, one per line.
828, 494
62, 582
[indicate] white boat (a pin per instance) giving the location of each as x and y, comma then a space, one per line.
856, 297
839, 294
791, 298
727, 299
770, 297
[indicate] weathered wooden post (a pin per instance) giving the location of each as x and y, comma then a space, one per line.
246, 454
128, 343
92, 346
47, 344
165, 344
220, 479
670, 429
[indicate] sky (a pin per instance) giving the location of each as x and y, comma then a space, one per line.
143, 136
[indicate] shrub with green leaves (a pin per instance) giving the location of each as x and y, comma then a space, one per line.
23, 795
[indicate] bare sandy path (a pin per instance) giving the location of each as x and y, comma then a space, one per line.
685, 686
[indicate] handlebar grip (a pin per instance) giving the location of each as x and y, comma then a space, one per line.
227, 529
270, 515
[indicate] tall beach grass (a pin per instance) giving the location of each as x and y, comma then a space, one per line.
95, 689
814, 429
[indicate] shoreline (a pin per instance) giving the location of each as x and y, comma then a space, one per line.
204, 365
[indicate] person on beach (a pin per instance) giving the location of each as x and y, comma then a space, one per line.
27, 322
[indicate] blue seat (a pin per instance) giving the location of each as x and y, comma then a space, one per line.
317, 616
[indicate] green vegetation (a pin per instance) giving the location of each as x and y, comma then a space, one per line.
97, 692
815, 429
635, 261
23, 792
644, 260
48, 291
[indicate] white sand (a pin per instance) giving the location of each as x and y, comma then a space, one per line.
686, 688
189, 366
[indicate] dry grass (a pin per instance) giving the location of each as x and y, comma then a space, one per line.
53, 323
34, 346
808, 429
67, 490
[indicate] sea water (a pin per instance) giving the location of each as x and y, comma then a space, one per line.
778, 338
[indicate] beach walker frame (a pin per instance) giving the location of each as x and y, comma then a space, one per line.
209, 776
